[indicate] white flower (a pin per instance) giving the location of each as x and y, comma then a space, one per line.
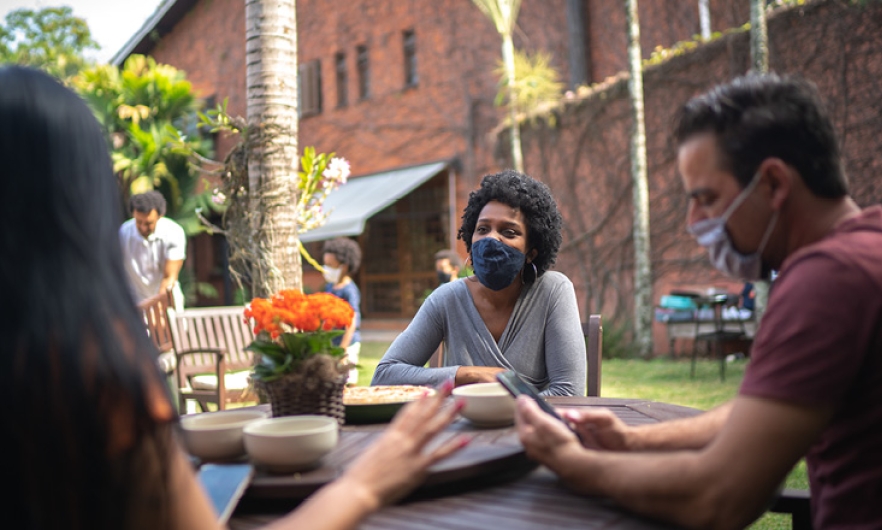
337, 170
218, 197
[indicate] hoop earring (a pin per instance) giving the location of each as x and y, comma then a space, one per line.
468, 259
535, 275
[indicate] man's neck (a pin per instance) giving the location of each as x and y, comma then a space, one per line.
819, 219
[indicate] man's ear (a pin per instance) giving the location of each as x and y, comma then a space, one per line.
779, 176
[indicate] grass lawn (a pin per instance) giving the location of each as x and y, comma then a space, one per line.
657, 380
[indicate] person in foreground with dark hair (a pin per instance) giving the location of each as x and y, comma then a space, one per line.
341, 258
760, 162
154, 248
89, 428
513, 314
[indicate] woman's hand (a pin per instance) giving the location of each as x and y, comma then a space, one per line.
398, 462
466, 375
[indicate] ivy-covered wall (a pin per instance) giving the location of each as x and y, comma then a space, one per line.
582, 152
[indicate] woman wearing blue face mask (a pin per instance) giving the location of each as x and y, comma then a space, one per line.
513, 314
341, 258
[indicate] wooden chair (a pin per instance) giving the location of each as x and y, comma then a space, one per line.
155, 313
798, 504
212, 363
720, 335
593, 331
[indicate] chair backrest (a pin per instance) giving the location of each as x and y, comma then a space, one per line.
593, 331
203, 328
155, 312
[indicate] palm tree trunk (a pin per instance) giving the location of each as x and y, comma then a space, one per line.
271, 85
517, 155
759, 59
704, 19
759, 38
642, 263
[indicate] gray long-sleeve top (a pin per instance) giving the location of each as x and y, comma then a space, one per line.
543, 340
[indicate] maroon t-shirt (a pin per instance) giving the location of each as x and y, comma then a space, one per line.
820, 344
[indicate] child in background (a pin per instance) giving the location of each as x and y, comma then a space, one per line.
341, 259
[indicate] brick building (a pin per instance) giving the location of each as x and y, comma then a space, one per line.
407, 85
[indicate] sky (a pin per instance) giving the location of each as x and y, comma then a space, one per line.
112, 22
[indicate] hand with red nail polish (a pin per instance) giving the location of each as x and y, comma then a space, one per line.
398, 461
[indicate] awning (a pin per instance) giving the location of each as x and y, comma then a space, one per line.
356, 201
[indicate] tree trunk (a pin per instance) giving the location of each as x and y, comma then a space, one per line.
759, 60
759, 39
704, 19
517, 157
577, 43
271, 85
642, 263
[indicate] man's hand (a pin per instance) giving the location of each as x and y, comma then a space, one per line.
545, 438
599, 428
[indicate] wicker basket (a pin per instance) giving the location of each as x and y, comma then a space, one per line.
306, 393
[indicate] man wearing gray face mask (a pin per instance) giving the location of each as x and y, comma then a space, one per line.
761, 166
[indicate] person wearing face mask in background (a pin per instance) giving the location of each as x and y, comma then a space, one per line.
447, 266
761, 165
341, 259
513, 314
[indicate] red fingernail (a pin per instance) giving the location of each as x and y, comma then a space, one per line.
447, 385
464, 441
459, 404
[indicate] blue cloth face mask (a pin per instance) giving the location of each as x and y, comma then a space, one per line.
496, 264
712, 234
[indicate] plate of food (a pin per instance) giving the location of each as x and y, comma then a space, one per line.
378, 404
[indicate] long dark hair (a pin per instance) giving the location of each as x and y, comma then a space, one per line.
78, 381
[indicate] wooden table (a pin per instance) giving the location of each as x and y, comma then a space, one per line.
485, 497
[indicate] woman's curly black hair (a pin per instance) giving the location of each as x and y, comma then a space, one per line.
346, 251
535, 202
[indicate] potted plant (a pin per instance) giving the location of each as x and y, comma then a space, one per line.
298, 366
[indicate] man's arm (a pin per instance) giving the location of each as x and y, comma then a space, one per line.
601, 429
170, 274
726, 484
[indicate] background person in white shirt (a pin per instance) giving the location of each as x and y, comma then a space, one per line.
154, 248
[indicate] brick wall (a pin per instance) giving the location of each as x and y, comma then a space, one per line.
584, 157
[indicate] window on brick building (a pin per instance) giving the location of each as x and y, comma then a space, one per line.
364, 72
310, 93
410, 64
342, 80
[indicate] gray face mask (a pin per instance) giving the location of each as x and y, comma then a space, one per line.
712, 234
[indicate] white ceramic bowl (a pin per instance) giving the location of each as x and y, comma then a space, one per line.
217, 435
486, 404
291, 443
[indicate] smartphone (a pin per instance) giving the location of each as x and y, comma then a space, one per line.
225, 484
517, 386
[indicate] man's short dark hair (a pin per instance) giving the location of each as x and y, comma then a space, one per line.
346, 251
755, 117
147, 202
451, 256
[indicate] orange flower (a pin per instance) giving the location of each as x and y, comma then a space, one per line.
292, 311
